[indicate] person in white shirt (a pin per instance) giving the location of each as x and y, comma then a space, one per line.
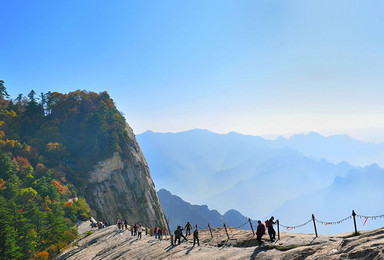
139, 231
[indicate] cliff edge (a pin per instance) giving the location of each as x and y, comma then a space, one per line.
122, 187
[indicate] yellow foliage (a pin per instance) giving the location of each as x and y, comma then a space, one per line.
52, 146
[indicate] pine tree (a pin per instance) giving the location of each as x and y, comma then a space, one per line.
8, 247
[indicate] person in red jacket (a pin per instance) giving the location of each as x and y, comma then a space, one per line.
260, 232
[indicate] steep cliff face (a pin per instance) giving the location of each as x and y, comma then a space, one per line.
122, 187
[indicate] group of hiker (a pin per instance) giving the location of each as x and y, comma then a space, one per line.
121, 224
261, 230
100, 224
159, 232
136, 230
179, 234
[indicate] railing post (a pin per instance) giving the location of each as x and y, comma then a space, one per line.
278, 229
250, 222
226, 231
169, 231
354, 220
314, 224
209, 226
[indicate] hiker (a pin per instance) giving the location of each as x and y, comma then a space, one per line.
196, 237
178, 234
260, 232
126, 224
155, 231
271, 230
135, 230
139, 231
160, 233
188, 229
131, 230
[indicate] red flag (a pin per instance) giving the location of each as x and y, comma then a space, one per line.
365, 221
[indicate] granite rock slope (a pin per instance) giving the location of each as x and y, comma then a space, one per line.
111, 243
122, 187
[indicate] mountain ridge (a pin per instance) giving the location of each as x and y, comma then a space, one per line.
179, 212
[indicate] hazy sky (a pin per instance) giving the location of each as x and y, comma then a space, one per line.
254, 67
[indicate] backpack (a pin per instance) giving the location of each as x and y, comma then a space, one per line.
266, 223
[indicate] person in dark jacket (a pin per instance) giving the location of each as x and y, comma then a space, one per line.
196, 237
271, 230
160, 233
260, 232
178, 234
188, 227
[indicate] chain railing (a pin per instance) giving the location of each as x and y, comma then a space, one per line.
313, 220
296, 227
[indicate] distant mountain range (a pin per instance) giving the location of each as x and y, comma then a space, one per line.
335, 148
256, 176
179, 212
360, 190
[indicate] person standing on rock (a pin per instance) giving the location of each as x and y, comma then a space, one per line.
260, 232
155, 231
126, 224
135, 230
160, 233
196, 237
271, 230
178, 234
139, 231
188, 227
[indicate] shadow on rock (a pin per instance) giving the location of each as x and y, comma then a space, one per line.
169, 248
258, 250
189, 250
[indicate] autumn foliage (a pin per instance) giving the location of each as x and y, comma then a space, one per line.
47, 147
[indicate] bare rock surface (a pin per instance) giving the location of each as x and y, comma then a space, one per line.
111, 243
122, 187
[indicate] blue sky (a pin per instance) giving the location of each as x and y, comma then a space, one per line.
254, 67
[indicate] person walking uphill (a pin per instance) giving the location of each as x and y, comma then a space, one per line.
271, 230
260, 232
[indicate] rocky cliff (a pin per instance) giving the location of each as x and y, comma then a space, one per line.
122, 187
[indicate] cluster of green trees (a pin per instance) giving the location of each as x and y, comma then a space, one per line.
48, 144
